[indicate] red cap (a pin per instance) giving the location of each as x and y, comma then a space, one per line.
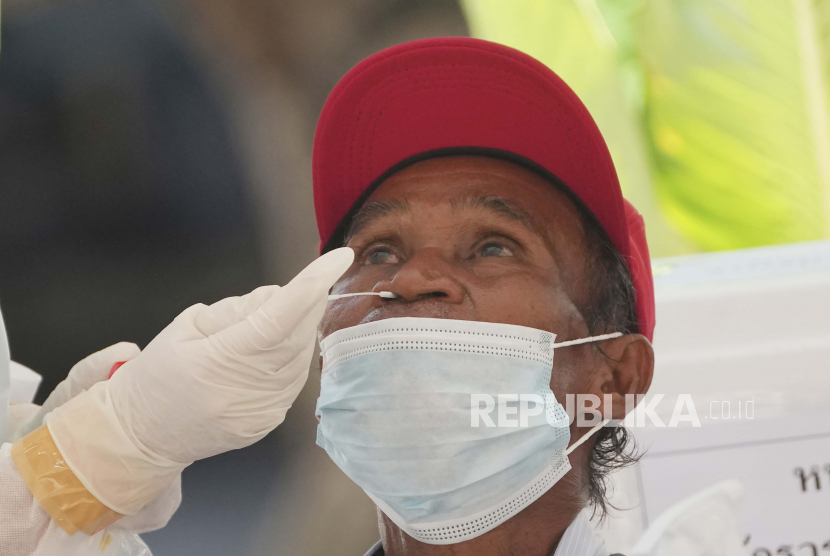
437, 96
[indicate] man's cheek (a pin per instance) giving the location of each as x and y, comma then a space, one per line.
341, 313
565, 375
349, 281
518, 304
346, 312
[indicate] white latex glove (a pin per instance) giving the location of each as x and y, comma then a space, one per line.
26, 529
705, 524
81, 377
216, 379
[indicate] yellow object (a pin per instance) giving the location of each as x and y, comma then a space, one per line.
56, 487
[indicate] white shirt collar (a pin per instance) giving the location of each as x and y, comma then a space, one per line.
579, 539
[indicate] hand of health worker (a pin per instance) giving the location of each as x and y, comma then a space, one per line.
82, 376
219, 377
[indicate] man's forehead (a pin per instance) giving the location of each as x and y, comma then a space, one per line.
504, 207
468, 182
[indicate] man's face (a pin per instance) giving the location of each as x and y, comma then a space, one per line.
470, 238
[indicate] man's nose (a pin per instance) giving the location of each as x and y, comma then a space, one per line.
427, 274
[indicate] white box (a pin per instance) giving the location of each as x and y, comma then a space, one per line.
735, 327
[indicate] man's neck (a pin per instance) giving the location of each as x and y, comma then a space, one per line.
535, 531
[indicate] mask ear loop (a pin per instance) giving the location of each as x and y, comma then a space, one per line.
588, 339
586, 436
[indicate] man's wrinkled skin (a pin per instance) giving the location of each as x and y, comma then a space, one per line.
475, 238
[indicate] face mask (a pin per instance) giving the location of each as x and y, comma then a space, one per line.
395, 415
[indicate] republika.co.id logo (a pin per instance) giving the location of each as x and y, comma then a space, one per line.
525, 410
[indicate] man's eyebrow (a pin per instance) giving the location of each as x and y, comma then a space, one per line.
374, 210
499, 205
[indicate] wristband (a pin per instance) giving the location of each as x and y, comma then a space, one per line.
55, 486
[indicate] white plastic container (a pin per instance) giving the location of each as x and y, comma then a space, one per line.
746, 334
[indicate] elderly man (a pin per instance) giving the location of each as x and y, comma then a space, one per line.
471, 186
471, 182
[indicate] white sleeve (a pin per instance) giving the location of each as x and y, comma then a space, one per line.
27, 530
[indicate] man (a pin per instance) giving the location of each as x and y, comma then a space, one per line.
471, 182
466, 179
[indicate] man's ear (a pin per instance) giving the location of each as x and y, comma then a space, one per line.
626, 367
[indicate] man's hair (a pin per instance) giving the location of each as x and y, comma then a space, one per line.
610, 308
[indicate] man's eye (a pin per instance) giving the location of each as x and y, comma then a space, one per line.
381, 255
494, 250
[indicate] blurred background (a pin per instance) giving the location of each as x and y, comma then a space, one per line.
156, 154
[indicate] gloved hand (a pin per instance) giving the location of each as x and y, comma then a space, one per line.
218, 378
21, 514
81, 377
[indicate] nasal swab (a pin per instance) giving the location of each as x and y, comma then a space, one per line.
384, 295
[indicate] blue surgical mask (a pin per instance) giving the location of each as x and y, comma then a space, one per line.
395, 412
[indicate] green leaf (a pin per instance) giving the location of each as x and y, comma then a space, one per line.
715, 111
736, 108
572, 38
